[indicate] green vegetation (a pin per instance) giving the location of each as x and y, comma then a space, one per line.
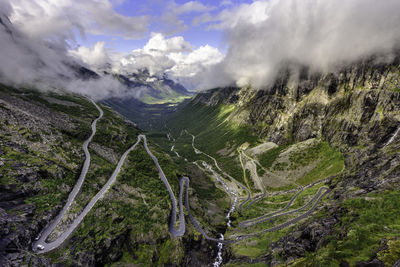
258, 264
114, 132
330, 162
50, 194
79, 134
209, 125
214, 134
390, 255
281, 188
319, 160
21, 158
133, 216
82, 109
273, 203
164, 98
138, 203
364, 223
259, 245
267, 158
207, 190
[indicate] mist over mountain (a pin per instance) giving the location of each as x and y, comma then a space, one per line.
262, 38
321, 35
266, 37
33, 62
200, 133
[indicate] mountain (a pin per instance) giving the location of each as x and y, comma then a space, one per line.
155, 90
37, 62
41, 158
151, 100
48, 65
302, 173
307, 135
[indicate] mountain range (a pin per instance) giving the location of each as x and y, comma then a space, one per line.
302, 172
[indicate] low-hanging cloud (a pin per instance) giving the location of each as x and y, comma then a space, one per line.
30, 60
96, 57
319, 34
262, 37
173, 56
56, 18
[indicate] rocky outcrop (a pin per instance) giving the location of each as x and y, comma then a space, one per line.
355, 109
341, 106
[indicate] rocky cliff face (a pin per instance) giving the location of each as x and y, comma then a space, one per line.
357, 100
357, 110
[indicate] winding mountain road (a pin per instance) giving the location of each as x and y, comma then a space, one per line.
270, 216
198, 151
40, 240
248, 222
267, 217
184, 181
260, 183
281, 212
290, 222
41, 246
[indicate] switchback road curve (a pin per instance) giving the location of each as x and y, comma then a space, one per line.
41, 246
40, 240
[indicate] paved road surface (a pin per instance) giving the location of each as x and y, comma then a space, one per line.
259, 197
244, 223
49, 229
288, 223
183, 185
279, 213
197, 151
56, 243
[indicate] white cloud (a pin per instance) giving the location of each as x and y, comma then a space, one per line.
30, 61
232, 16
263, 37
5, 8
320, 34
153, 56
102, 88
173, 56
190, 7
97, 56
158, 43
61, 18
188, 68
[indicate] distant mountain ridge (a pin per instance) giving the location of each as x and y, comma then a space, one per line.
49, 64
155, 90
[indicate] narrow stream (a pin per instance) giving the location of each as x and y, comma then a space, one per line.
218, 260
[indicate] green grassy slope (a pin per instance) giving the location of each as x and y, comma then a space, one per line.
130, 224
215, 134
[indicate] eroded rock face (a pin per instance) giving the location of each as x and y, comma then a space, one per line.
361, 100
356, 109
29, 131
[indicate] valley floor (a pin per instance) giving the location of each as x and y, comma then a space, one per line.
312, 201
